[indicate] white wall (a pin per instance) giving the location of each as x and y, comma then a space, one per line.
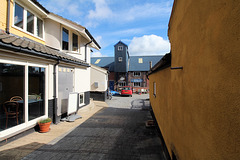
82, 79
52, 33
100, 76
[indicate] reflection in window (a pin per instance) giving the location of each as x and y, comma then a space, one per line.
121, 84
18, 16
74, 42
136, 74
11, 85
36, 92
137, 84
30, 22
65, 39
39, 28
81, 98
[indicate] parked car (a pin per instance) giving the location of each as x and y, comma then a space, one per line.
114, 93
127, 90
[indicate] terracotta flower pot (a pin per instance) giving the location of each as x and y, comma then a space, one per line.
44, 127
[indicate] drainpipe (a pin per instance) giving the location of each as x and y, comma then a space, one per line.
8, 16
55, 92
86, 50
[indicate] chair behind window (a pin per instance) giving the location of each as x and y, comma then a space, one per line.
16, 98
11, 110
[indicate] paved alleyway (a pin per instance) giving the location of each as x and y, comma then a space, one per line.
112, 133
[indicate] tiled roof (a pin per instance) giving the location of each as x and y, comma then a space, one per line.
108, 62
163, 63
103, 62
141, 63
13, 42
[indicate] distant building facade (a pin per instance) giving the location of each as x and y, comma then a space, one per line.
126, 70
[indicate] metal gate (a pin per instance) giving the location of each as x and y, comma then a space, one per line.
65, 86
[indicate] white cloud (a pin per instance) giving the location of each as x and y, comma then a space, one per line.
149, 45
96, 54
102, 11
146, 10
63, 6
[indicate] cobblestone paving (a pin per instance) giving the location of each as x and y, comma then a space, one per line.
111, 134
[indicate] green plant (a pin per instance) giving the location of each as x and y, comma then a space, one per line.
45, 120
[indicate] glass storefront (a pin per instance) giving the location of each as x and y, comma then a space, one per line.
36, 92
11, 85
13, 91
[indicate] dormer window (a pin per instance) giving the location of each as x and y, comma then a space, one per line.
27, 21
74, 42
120, 48
30, 21
65, 39
18, 16
70, 40
39, 28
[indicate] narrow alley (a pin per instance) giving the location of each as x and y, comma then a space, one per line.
115, 132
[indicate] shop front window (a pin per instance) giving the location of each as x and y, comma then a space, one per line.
11, 95
36, 92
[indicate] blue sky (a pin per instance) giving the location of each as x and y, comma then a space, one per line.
141, 24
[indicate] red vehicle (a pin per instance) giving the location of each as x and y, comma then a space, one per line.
126, 90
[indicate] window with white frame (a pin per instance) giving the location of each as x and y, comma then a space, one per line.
24, 85
120, 48
136, 74
154, 89
81, 99
27, 21
119, 59
74, 42
137, 84
70, 40
18, 16
121, 84
39, 28
30, 22
65, 39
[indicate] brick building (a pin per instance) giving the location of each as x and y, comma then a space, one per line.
126, 70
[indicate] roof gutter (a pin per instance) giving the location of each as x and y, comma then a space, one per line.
91, 37
55, 91
35, 53
86, 50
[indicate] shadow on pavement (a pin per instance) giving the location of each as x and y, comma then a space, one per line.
112, 133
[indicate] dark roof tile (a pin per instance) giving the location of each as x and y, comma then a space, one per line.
134, 65
37, 47
17, 42
25, 44
3, 36
11, 41
43, 49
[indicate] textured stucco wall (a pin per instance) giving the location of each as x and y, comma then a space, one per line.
203, 106
100, 76
12, 29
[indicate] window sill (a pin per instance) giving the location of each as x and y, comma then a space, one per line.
28, 33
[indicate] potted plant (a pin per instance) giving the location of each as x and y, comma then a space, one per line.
44, 125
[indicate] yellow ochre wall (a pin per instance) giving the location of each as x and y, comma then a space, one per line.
3, 22
198, 108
